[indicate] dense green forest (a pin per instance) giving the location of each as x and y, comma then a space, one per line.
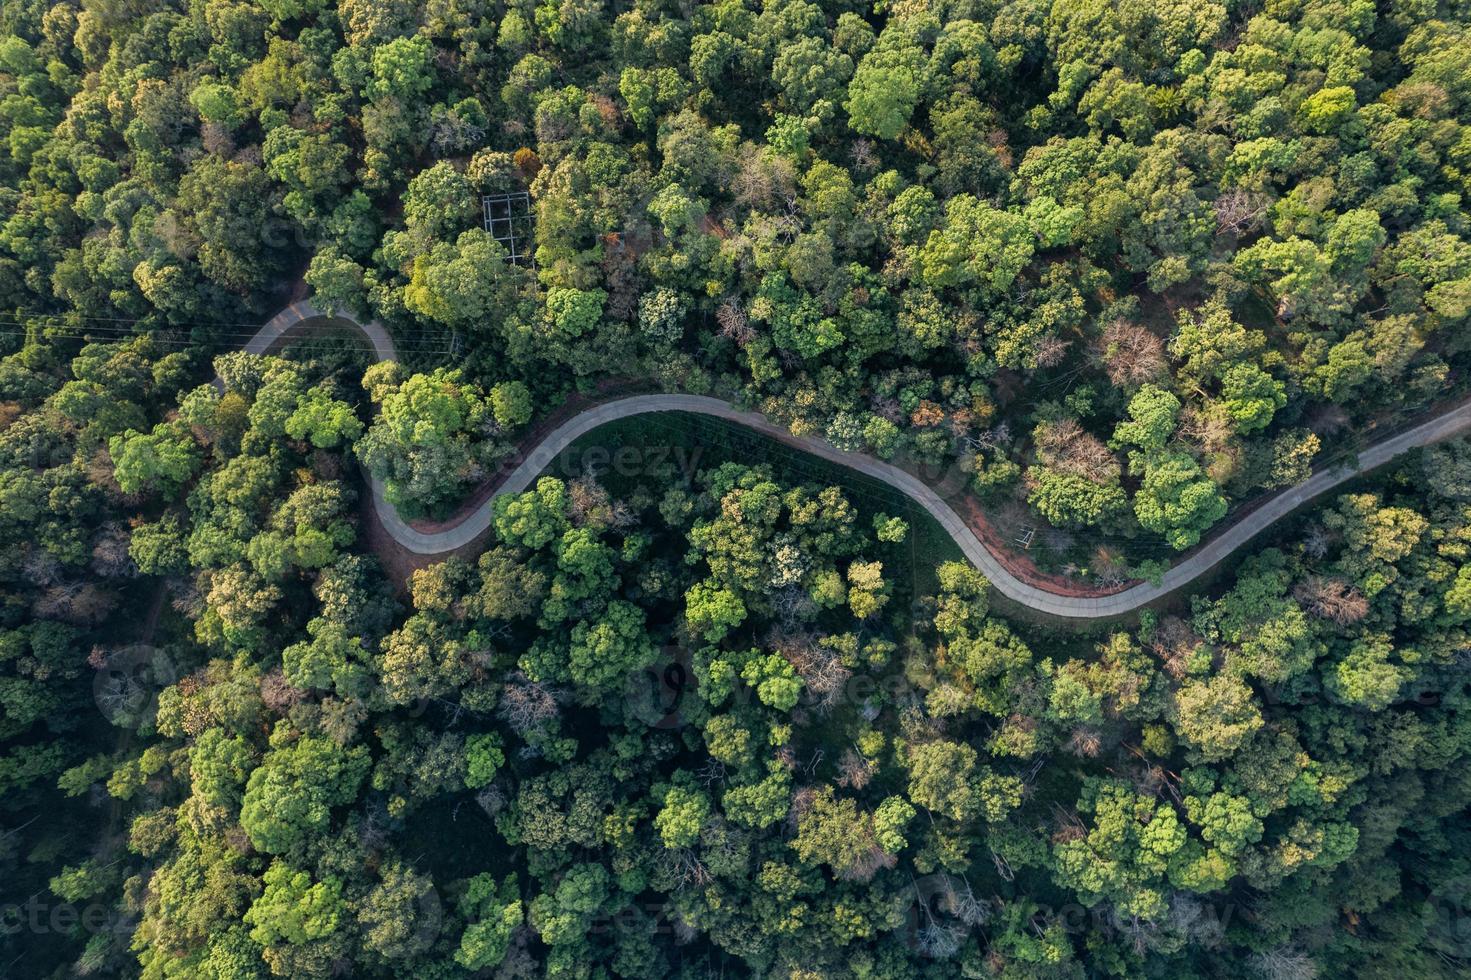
1118, 269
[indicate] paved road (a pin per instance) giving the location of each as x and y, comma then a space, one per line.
1451, 423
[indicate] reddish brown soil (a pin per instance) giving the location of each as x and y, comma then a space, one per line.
1020, 565
399, 563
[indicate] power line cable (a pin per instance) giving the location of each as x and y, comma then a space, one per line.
24, 318
118, 334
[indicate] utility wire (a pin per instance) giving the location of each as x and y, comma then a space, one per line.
117, 334
63, 321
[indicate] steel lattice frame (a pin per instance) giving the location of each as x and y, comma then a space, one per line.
510, 221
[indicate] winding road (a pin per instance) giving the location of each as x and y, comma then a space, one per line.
1451, 423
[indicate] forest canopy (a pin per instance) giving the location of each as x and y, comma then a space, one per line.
1115, 271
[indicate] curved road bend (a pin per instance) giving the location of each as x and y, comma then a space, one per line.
1449, 424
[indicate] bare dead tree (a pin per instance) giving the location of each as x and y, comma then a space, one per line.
712, 772
1140, 932
933, 937
620, 271
624, 516
1332, 599
277, 693
40, 567
802, 801
1110, 565
685, 868
82, 603
588, 503
1316, 541
855, 771
1053, 438
493, 798
1085, 742
816, 760
867, 862
1211, 430
792, 605
963, 903
761, 179
915, 724
527, 704
1034, 769
188, 599
1051, 351
375, 827
1284, 963
216, 140
1065, 446
1003, 867
1174, 641
821, 668
731, 315
1192, 917
1067, 826
1130, 353
1148, 780
992, 438
1239, 211
888, 407
685, 932
110, 557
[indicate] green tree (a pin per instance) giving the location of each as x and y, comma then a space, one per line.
510, 403
977, 245
605, 652
323, 420
1124, 855
1215, 716
424, 442
534, 518
293, 909
291, 795
683, 814
574, 312
161, 461
884, 91
1152, 416
713, 611
483, 758
1177, 500
940, 778
1252, 396
493, 913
